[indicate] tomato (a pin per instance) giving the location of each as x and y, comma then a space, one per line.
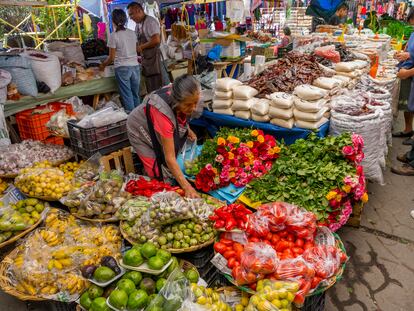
231, 262
291, 244
237, 247
220, 247
268, 236
283, 233
229, 254
282, 245
254, 239
299, 243
343, 257
307, 245
297, 250
290, 237
227, 242
315, 282
275, 238
253, 286
299, 299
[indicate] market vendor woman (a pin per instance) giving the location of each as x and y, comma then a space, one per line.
158, 129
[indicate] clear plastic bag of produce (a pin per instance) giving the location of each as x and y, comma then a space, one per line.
273, 295
174, 293
106, 196
328, 52
43, 183
89, 170
297, 270
133, 209
259, 258
243, 276
103, 117
58, 123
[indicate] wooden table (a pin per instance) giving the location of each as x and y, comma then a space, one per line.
221, 67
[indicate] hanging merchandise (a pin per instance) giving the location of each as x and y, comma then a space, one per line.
235, 10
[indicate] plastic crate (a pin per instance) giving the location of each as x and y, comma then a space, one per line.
103, 139
54, 140
32, 125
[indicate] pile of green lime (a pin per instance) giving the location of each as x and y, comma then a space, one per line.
138, 254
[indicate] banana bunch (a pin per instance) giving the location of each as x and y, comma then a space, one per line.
26, 287
72, 283
59, 263
50, 237
111, 234
19, 260
49, 290
59, 224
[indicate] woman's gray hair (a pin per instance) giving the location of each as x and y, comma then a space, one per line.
183, 87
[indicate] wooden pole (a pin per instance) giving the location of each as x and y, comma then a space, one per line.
75, 12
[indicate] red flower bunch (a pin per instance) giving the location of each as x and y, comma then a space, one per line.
239, 156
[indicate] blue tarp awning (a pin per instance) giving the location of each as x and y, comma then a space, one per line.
323, 8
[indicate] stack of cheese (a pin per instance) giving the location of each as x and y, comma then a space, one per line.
243, 101
281, 109
310, 106
223, 95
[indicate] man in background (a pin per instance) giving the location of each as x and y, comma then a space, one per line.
339, 18
148, 46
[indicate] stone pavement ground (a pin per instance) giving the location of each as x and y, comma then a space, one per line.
380, 273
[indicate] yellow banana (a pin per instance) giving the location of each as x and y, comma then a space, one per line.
66, 262
57, 264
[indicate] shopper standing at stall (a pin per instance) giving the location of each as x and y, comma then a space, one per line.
158, 129
122, 51
339, 18
149, 39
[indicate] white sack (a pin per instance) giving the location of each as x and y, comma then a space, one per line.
279, 113
260, 107
345, 66
223, 94
246, 115
258, 118
309, 106
309, 92
283, 123
242, 104
326, 83
222, 103
281, 100
227, 84
310, 125
309, 116
224, 111
244, 92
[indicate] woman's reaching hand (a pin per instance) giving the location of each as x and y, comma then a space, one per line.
191, 193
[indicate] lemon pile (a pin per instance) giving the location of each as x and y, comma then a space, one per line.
43, 182
69, 168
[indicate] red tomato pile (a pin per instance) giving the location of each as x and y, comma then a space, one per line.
281, 247
231, 217
146, 188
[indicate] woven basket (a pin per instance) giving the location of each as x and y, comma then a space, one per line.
5, 283
21, 234
171, 250
110, 220
49, 199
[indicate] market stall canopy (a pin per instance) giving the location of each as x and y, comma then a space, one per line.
323, 8
92, 6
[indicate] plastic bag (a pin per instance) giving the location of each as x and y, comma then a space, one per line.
228, 111
4, 133
325, 259
222, 103
309, 106
103, 117
311, 125
328, 52
58, 123
246, 115
258, 118
244, 92
309, 116
326, 83
281, 100
346, 66
79, 108
260, 108
89, 170
243, 105
309, 92
259, 258
227, 84
174, 294
273, 295
283, 123
133, 209
278, 113
223, 94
